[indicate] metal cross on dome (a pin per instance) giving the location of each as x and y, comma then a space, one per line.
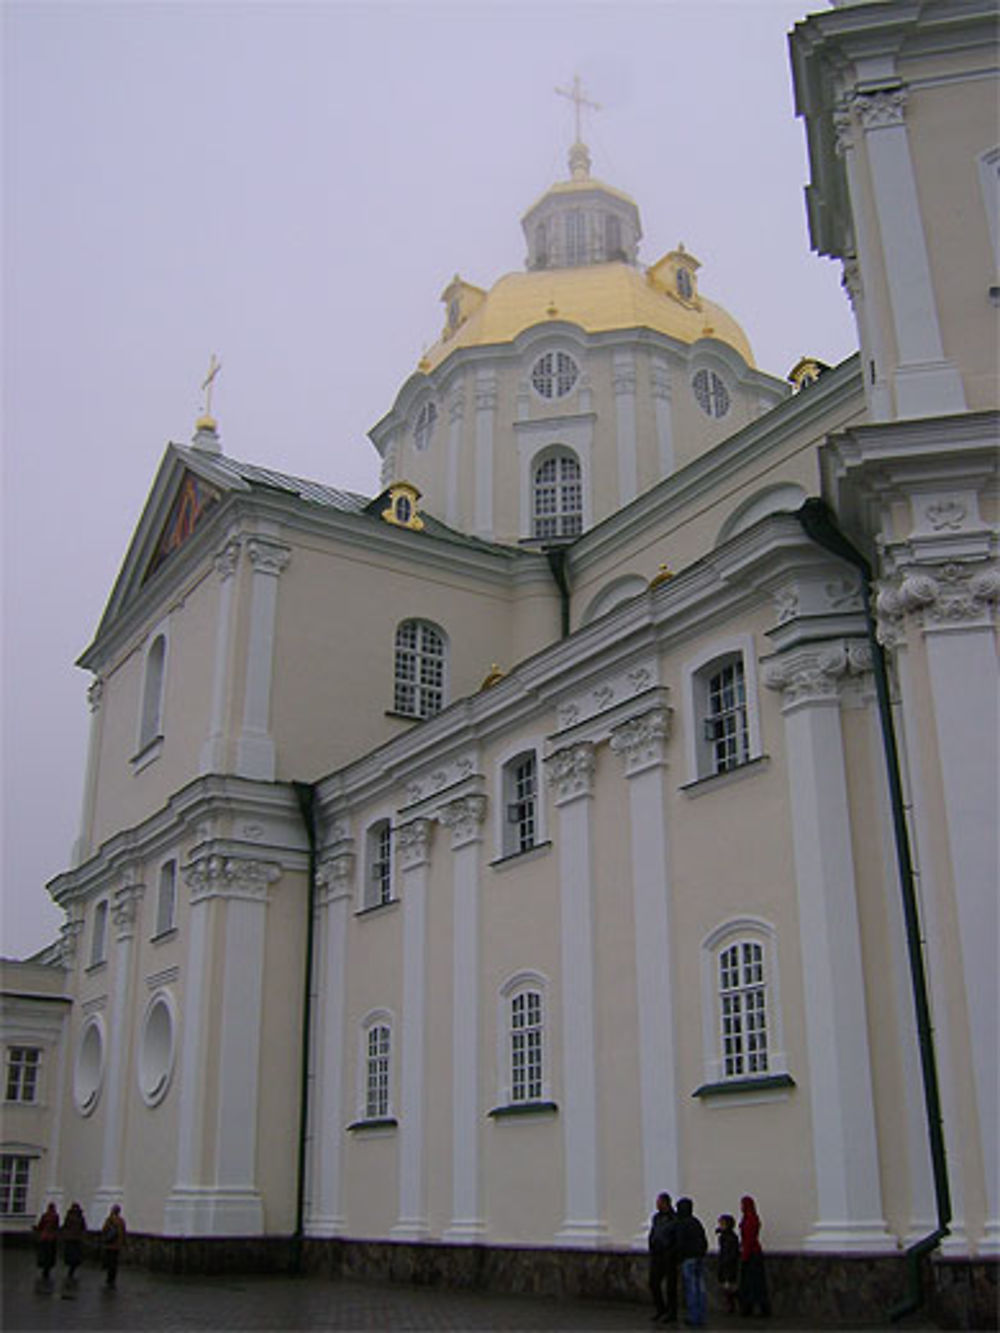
576, 95
207, 383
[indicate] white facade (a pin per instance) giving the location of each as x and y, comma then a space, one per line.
555, 877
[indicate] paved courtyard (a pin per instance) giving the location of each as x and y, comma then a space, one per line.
156, 1301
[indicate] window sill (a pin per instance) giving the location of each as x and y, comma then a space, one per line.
713, 781
377, 907
147, 755
389, 1122
735, 1086
529, 854
95, 967
515, 1109
162, 936
411, 717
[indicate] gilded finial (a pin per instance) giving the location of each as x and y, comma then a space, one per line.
664, 576
493, 677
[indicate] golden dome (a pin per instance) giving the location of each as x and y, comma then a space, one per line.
598, 298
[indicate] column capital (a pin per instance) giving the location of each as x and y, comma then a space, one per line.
817, 673
227, 558
642, 741
937, 598
125, 906
95, 693
218, 876
268, 557
464, 817
414, 843
334, 877
69, 938
571, 771
880, 108
486, 391
456, 404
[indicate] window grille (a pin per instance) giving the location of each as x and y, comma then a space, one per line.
558, 497
726, 727
423, 429
526, 1047
379, 865
99, 938
14, 1176
166, 900
521, 808
377, 1073
554, 374
152, 693
743, 1010
22, 1073
710, 393
419, 670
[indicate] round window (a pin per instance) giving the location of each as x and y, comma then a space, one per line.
156, 1050
710, 393
554, 374
89, 1069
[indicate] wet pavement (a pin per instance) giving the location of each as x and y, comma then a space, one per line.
159, 1301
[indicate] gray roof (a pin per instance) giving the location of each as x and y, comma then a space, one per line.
267, 479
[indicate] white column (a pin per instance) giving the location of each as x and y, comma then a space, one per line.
456, 421
659, 373
642, 743
926, 383
956, 607
845, 1147
124, 908
213, 752
334, 879
571, 775
413, 841
486, 403
82, 846
184, 1214
464, 818
623, 378
255, 756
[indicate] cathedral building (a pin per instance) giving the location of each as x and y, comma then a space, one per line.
609, 804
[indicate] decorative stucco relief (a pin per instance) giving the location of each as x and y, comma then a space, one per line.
571, 772
880, 109
642, 741
597, 699
125, 906
464, 818
413, 841
439, 779
268, 557
230, 877
947, 596
334, 878
227, 559
816, 673
95, 693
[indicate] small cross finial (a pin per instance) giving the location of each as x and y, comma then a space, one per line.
207, 384
576, 96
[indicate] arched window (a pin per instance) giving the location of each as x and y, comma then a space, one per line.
375, 1091
742, 1009
166, 899
743, 1038
419, 669
727, 733
378, 864
150, 723
523, 1044
684, 288
557, 496
520, 793
423, 427
721, 714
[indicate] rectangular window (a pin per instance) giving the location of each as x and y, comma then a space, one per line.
576, 238
521, 782
377, 1074
526, 1047
14, 1176
743, 1010
99, 937
378, 888
22, 1073
726, 730
166, 900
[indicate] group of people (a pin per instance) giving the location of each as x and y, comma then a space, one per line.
678, 1247
72, 1231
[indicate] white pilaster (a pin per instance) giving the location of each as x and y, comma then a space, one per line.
845, 1148
571, 775
334, 880
659, 373
464, 818
486, 405
642, 742
413, 841
456, 423
255, 756
124, 909
213, 752
81, 848
623, 378
927, 384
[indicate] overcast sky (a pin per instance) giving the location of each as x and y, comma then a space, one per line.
291, 186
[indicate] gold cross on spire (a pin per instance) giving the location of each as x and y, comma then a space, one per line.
576, 96
206, 421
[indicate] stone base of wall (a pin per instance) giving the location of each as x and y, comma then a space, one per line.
816, 1289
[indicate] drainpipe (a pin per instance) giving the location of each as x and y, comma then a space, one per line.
305, 794
819, 523
556, 556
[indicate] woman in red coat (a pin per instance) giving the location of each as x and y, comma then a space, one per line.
753, 1279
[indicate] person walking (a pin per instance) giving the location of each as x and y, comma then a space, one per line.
112, 1244
692, 1246
47, 1231
74, 1229
753, 1277
729, 1260
663, 1260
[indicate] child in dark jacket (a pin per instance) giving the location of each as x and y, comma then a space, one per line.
729, 1260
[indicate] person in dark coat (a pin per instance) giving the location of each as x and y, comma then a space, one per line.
74, 1229
112, 1243
692, 1246
663, 1259
47, 1231
729, 1260
753, 1278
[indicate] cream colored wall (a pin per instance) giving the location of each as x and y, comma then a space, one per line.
124, 797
